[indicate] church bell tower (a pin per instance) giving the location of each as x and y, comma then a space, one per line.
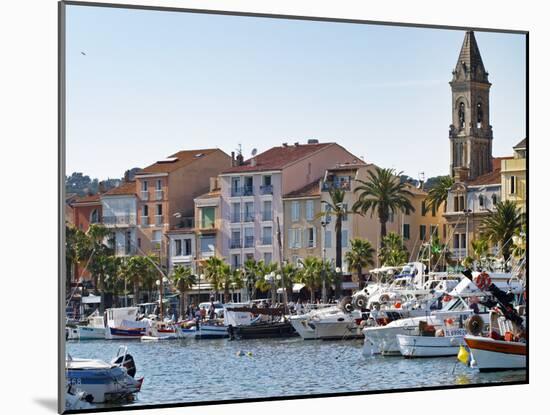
470, 134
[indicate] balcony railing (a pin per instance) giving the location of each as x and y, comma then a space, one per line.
344, 185
186, 222
145, 220
235, 244
159, 220
267, 215
235, 217
242, 191
159, 194
266, 189
119, 220
248, 241
144, 195
248, 217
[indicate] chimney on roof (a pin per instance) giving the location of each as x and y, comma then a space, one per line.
127, 176
296, 144
285, 144
240, 159
232, 159
313, 141
253, 161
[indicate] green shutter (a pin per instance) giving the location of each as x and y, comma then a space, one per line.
208, 214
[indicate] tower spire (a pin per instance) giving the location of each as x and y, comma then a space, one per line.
469, 66
470, 133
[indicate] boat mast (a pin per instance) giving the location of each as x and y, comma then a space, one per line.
285, 295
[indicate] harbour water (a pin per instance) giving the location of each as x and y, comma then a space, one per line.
205, 370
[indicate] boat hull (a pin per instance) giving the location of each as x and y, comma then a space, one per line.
91, 333
306, 332
495, 355
337, 330
211, 332
428, 346
265, 330
116, 333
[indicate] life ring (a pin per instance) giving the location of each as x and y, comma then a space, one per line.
474, 325
483, 281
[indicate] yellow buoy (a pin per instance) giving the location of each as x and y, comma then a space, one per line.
463, 355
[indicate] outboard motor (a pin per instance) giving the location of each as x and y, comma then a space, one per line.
126, 361
360, 301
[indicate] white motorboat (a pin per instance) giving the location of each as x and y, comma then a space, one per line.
102, 381
383, 337
94, 330
332, 323
122, 323
163, 330
446, 344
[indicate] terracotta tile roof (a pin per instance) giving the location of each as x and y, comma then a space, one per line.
277, 158
126, 188
491, 177
309, 190
87, 199
181, 159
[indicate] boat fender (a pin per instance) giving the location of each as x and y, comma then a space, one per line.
384, 298
474, 325
346, 304
360, 301
439, 333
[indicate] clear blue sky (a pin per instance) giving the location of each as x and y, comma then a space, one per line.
152, 83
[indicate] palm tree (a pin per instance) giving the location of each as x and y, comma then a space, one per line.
237, 280
436, 254
251, 274
384, 194
213, 272
336, 208
503, 223
393, 253
290, 272
310, 274
183, 279
437, 195
135, 273
360, 256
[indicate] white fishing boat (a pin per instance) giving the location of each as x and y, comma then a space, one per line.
163, 330
95, 329
445, 342
494, 355
211, 329
122, 323
102, 381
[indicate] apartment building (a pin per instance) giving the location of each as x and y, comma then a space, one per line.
302, 226
252, 195
119, 214
166, 191
514, 176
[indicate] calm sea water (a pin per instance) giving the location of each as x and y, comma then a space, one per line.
201, 370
